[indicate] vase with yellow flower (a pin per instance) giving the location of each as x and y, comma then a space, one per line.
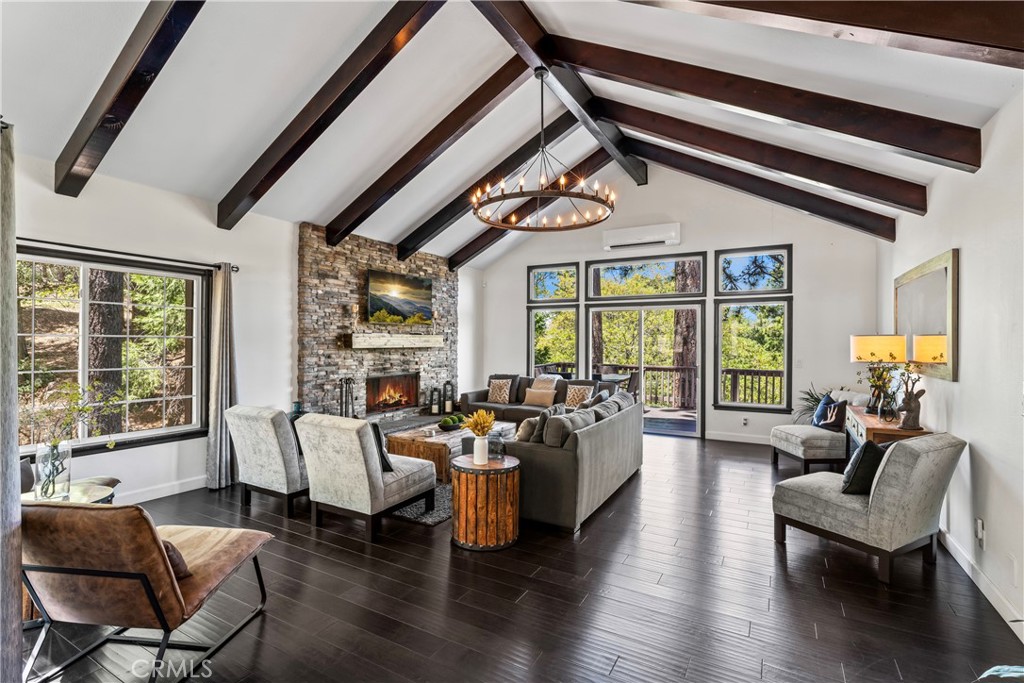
480, 423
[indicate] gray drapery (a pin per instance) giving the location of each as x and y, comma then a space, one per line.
220, 467
10, 468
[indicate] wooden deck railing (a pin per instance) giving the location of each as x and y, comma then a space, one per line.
664, 386
759, 387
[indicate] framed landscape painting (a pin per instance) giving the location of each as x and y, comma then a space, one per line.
399, 299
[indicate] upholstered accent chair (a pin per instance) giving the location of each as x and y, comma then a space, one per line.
78, 572
268, 455
346, 477
899, 515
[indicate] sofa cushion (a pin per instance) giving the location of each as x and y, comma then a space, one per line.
524, 384
864, 464
622, 399
542, 418
539, 397
577, 394
604, 410
558, 427
498, 409
526, 429
500, 391
410, 476
594, 400
518, 413
817, 499
809, 442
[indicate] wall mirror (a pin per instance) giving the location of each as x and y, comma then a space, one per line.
925, 309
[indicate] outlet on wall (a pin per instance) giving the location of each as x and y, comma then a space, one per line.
744, 422
979, 531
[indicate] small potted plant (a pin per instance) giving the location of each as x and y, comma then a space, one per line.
480, 423
66, 409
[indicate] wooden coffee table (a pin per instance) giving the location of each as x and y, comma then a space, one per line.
485, 503
438, 448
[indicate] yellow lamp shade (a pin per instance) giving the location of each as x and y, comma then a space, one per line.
929, 348
878, 348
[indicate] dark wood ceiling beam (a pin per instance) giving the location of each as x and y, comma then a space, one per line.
950, 144
585, 169
518, 26
876, 187
988, 32
878, 225
460, 204
373, 54
480, 102
150, 45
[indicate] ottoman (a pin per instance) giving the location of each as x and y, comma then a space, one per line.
809, 444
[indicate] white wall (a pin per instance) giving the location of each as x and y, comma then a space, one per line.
115, 214
471, 330
982, 215
834, 281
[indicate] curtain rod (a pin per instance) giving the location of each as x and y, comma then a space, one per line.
212, 266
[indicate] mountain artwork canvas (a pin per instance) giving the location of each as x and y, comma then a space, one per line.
399, 299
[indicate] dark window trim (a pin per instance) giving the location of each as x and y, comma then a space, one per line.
787, 408
788, 248
530, 301
702, 358
203, 339
575, 308
589, 296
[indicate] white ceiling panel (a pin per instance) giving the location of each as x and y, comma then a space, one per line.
54, 57
967, 92
239, 76
448, 59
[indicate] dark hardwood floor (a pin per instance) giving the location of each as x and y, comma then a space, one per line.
676, 578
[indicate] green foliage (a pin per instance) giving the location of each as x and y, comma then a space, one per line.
69, 408
807, 401
753, 337
756, 272
554, 336
382, 316
417, 319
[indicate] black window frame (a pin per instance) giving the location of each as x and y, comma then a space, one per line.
202, 341
729, 293
787, 407
575, 308
530, 270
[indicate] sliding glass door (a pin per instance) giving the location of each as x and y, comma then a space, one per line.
653, 352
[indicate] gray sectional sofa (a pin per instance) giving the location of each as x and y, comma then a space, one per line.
585, 457
515, 410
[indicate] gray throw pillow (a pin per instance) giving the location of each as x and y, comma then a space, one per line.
558, 428
594, 400
526, 429
604, 410
538, 434
623, 400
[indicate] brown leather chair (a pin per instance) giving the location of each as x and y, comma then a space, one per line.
78, 571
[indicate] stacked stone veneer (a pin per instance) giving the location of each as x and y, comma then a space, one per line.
331, 279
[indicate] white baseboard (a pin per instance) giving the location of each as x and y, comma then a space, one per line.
737, 437
987, 587
161, 490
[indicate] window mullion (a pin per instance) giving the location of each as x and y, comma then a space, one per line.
83, 338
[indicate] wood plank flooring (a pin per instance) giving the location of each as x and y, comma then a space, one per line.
676, 578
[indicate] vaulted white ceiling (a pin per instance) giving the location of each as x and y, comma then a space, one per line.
245, 69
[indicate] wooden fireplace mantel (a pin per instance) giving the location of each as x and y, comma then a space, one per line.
383, 340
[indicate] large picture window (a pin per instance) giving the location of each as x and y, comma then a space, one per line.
554, 283
553, 343
662, 277
756, 271
134, 333
752, 353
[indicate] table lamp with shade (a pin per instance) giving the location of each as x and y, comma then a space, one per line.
881, 352
928, 348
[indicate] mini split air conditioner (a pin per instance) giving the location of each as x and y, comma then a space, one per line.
666, 234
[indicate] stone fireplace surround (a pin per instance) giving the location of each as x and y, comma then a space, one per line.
330, 281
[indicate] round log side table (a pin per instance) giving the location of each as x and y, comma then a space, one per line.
485, 503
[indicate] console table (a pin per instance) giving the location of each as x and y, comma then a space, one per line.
864, 426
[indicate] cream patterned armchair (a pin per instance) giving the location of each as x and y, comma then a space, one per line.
899, 515
346, 477
268, 454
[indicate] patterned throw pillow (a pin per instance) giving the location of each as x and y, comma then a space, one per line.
539, 397
577, 394
498, 391
835, 417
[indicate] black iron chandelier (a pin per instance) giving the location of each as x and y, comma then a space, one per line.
542, 181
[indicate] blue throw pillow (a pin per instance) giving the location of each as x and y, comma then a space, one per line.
821, 412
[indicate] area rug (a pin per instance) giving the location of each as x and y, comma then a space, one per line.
442, 508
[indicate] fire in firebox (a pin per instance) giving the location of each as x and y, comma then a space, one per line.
392, 392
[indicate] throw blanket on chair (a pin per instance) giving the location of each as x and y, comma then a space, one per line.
545, 382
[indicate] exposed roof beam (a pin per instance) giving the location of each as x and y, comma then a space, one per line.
877, 187
987, 32
518, 26
586, 168
479, 103
460, 205
373, 54
866, 221
921, 137
150, 45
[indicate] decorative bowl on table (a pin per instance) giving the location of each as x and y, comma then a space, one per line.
452, 422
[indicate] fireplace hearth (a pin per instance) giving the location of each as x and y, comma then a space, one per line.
385, 393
